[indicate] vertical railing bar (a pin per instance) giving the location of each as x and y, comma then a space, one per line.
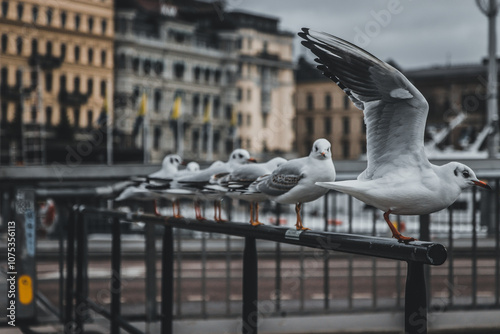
61, 270
425, 235
277, 282
228, 275
398, 274
350, 257
204, 275
474, 248
451, 280
415, 300
150, 262
497, 242
115, 275
70, 262
374, 262
301, 279
81, 310
167, 274
179, 273
250, 288
326, 260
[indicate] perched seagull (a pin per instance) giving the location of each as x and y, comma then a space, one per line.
172, 196
294, 182
197, 181
236, 184
398, 178
169, 168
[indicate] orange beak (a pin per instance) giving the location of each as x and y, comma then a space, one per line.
482, 184
323, 154
252, 160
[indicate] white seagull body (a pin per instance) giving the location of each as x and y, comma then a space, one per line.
399, 177
294, 182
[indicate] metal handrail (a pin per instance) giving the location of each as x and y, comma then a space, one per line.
417, 254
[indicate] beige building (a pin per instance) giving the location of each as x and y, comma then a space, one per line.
266, 84
56, 58
324, 110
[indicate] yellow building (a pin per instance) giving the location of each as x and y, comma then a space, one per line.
266, 84
324, 110
56, 58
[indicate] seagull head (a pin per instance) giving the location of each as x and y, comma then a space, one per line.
322, 149
193, 166
171, 162
239, 157
465, 177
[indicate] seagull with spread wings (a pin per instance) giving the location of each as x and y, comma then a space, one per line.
398, 178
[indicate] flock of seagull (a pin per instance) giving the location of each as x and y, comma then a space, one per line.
398, 178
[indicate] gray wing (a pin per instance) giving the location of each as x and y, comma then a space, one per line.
395, 111
283, 178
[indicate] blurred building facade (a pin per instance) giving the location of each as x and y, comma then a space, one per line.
324, 110
56, 70
231, 70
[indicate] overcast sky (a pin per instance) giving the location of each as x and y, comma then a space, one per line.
410, 32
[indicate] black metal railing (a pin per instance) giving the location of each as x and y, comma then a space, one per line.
416, 254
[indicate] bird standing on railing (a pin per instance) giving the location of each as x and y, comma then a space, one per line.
236, 184
399, 178
294, 182
139, 191
196, 182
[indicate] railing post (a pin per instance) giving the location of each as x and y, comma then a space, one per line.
150, 262
250, 297
70, 262
167, 288
81, 312
115, 276
277, 282
415, 300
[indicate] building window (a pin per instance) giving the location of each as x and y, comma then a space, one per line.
20, 9
19, 45
90, 87
5, 8
196, 104
240, 119
77, 54
207, 74
5, 41
91, 24
34, 46
90, 118
77, 22
4, 76
195, 140
346, 125
103, 88
309, 125
239, 94
63, 51
157, 138
76, 115
64, 16
346, 102
62, 83
328, 125
34, 14
346, 149
33, 113
76, 84
34, 78
19, 78
147, 66
48, 48
4, 114
310, 102
217, 76
264, 120
216, 142
122, 61
179, 70
249, 94
197, 72
216, 105
157, 100
135, 64
328, 101
103, 58
48, 81
158, 66
229, 112
48, 116
90, 56
49, 16
104, 25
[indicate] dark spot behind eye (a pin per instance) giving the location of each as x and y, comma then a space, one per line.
455, 172
171, 160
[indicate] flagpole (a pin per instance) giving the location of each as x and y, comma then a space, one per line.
145, 128
109, 125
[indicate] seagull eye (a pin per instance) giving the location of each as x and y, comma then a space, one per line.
171, 160
465, 174
240, 156
315, 148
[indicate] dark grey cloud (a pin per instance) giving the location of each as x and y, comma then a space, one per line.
412, 33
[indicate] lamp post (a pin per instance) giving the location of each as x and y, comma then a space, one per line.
490, 9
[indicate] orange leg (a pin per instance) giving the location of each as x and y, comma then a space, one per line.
395, 232
176, 204
218, 210
197, 210
256, 222
156, 208
251, 213
299, 225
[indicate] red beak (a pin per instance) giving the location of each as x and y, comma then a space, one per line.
482, 184
252, 160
